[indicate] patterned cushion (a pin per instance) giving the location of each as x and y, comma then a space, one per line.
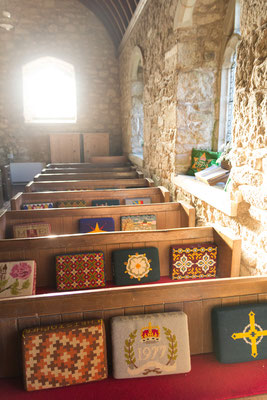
64, 354
150, 344
96, 225
80, 271
133, 266
108, 202
202, 159
36, 206
240, 332
71, 203
34, 229
138, 201
17, 278
138, 223
194, 261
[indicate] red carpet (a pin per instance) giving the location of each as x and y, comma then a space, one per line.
208, 380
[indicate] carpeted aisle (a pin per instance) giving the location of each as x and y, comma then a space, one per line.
208, 380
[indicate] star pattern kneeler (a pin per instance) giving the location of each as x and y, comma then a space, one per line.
240, 332
134, 266
150, 345
64, 354
194, 261
95, 225
80, 271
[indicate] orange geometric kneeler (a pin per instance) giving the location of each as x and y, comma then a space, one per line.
64, 354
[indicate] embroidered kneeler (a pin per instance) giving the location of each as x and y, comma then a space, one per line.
150, 345
64, 354
134, 266
80, 271
240, 332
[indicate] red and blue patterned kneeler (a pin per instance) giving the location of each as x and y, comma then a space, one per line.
64, 354
80, 271
196, 261
240, 332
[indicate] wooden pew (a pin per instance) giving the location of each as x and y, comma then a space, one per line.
89, 175
42, 186
195, 298
66, 220
87, 169
97, 161
157, 195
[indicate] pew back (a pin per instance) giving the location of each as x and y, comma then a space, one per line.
66, 220
88, 175
156, 194
41, 186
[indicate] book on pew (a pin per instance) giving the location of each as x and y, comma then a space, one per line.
213, 175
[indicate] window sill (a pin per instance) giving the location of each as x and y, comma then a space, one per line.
212, 195
137, 159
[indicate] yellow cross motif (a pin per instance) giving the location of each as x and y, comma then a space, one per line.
252, 334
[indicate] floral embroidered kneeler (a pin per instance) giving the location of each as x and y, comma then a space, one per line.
134, 266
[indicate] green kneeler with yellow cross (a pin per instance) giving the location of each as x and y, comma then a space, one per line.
240, 332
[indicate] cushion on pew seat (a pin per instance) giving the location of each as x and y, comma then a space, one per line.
133, 266
64, 354
138, 222
17, 278
108, 202
196, 261
37, 206
138, 201
33, 229
240, 332
94, 225
80, 271
150, 344
71, 203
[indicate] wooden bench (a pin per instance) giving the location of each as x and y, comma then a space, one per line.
89, 175
88, 169
66, 220
157, 195
87, 184
195, 298
97, 161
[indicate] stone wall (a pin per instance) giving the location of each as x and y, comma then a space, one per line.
181, 108
69, 31
180, 84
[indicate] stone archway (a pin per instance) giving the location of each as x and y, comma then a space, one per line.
137, 112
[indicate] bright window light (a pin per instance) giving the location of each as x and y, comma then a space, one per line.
49, 91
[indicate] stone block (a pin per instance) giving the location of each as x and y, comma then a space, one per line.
195, 86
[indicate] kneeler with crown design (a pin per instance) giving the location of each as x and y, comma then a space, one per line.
240, 332
150, 345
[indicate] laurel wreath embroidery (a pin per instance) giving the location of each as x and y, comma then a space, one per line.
172, 349
130, 355
129, 351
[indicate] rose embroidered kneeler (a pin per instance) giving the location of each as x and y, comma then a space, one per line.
17, 278
240, 332
134, 266
193, 261
64, 354
80, 271
150, 345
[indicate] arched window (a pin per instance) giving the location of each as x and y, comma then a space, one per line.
228, 75
137, 91
49, 91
